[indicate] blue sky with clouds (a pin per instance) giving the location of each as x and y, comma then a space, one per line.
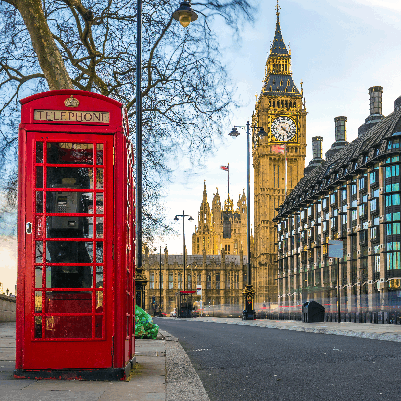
339, 48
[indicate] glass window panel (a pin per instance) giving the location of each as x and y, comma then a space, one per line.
38, 301
99, 276
373, 233
39, 252
38, 326
69, 177
38, 276
99, 326
99, 178
372, 177
99, 153
69, 153
99, 252
396, 199
99, 204
39, 202
99, 227
68, 327
99, 302
389, 261
68, 302
69, 202
39, 152
39, 177
69, 227
69, 252
69, 277
170, 281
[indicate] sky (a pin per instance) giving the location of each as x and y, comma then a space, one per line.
340, 48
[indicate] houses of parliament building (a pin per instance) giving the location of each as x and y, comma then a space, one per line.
219, 252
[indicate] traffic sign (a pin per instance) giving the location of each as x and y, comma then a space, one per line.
336, 249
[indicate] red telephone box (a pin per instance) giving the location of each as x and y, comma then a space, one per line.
75, 310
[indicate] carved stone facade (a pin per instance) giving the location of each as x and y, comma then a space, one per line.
278, 158
221, 277
220, 228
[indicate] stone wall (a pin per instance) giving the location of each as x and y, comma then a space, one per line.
7, 308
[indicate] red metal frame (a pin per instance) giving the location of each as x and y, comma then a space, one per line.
68, 325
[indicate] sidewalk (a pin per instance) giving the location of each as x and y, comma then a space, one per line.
163, 372
147, 381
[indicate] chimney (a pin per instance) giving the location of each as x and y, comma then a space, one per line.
397, 104
376, 95
376, 106
317, 147
317, 154
340, 130
340, 134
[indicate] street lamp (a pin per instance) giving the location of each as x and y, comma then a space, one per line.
249, 292
185, 14
176, 218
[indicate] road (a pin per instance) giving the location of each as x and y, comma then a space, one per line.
252, 363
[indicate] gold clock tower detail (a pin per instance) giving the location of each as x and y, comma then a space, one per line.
278, 159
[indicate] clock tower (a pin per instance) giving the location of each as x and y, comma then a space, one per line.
278, 159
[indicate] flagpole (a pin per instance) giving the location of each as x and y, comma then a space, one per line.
228, 185
285, 156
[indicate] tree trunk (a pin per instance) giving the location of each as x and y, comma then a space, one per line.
49, 57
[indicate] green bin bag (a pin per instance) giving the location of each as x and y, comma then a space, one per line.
144, 326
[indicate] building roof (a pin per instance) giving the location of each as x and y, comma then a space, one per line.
280, 84
354, 158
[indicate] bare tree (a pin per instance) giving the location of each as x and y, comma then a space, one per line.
91, 45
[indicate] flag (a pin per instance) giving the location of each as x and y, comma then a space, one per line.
278, 148
225, 168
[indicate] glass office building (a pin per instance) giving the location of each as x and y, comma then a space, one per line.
354, 196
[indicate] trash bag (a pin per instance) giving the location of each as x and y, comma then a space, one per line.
144, 326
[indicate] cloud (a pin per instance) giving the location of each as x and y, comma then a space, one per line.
394, 5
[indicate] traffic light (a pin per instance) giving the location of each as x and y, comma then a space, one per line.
153, 299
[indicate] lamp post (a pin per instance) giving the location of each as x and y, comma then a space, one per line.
249, 292
185, 15
176, 218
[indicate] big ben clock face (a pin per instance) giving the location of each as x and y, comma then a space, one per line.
283, 129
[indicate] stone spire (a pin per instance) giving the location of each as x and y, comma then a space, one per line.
278, 47
278, 76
